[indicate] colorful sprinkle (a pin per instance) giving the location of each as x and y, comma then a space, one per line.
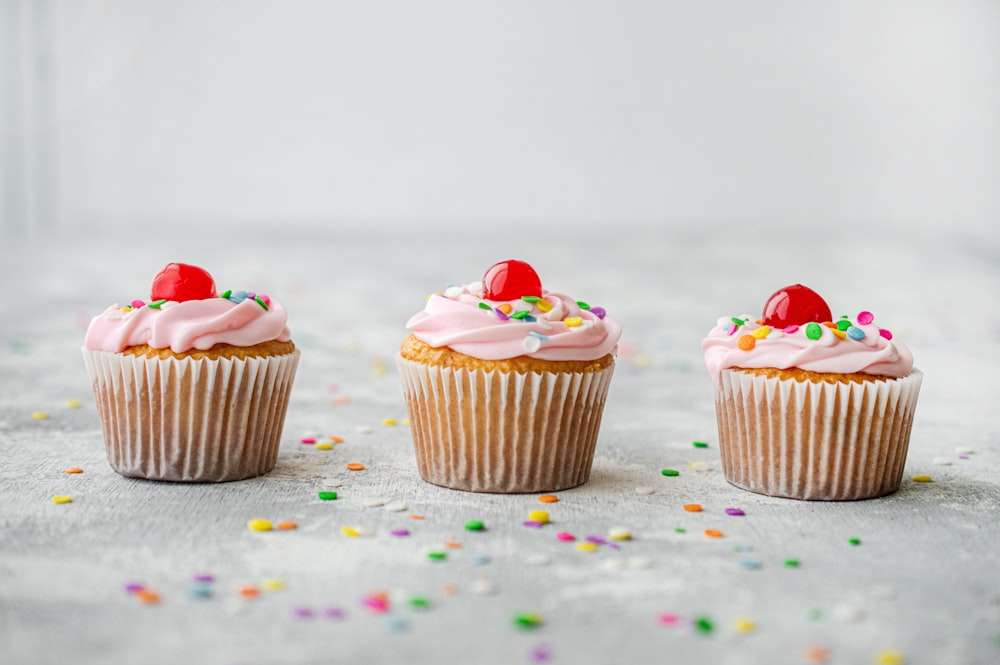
670, 472
573, 321
308, 440
399, 533
699, 444
540, 516
854, 541
324, 446
437, 556
485, 306
327, 496
73, 469
713, 533
619, 533
474, 525
260, 525
286, 525
761, 333
744, 625
61, 498
748, 564
598, 312
586, 547
855, 333
865, 318
73, 403
746, 342
505, 308
704, 625
582, 305
814, 331
889, 657
40, 415
528, 620
885, 333
544, 305
692, 507
548, 498
735, 512
792, 563
922, 479
565, 537
355, 466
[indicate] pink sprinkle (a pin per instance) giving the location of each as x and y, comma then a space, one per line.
885, 333
732, 329
137, 304
308, 439
790, 329
267, 301
376, 604
668, 619
565, 537
865, 317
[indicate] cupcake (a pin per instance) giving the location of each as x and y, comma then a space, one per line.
505, 383
810, 407
192, 385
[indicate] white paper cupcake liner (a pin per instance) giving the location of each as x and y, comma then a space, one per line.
503, 432
208, 420
818, 441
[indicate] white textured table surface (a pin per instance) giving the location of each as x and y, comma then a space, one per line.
923, 584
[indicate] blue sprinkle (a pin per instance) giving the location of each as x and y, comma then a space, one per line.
529, 319
750, 565
538, 335
201, 591
481, 559
238, 296
395, 625
855, 333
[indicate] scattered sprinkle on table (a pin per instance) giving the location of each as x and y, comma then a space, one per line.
374, 502
699, 444
40, 415
889, 657
680, 529
420, 603
587, 547
645, 490
327, 496
324, 446
355, 466
713, 533
548, 498
308, 440
701, 466
540, 516
619, 533
670, 473
816, 654
744, 625
73, 403
921, 479
748, 564
248, 592
792, 563
332, 482
704, 625
351, 531
399, 533
735, 512
528, 620
147, 596
73, 469
273, 584
336, 439
854, 541
62, 498
286, 525
390, 422
692, 507
395, 507
474, 525
364, 429
941, 461
260, 525
437, 556
565, 537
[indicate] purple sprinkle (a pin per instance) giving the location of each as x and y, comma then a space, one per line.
500, 314
333, 613
134, 587
204, 578
399, 533
251, 295
598, 312
302, 613
615, 546
963, 457
533, 524
735, 512
540, 653
597, 540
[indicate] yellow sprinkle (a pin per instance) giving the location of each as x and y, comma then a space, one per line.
889, 657
40, 415
619, 533
405, 422
273, 584
586, 547
388, 422
573, 321
349, 531
839, 333
260, 525
540, 516
922, 479
762, 332
324, 446
544, 305
61, 498
642, 361
744, 625
74, 403
125, 309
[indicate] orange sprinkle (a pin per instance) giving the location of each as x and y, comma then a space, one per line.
830, 324
248, 591
341, 399
73, 469
746, 342
713, 533
416, 517
449, 589
817, 654
548, 498
453, 545
505, 308
287, 525
147, 596
355, 466
692, 507
336, 439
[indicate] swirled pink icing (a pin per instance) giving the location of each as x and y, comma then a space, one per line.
554, 328
860, 348
190, 325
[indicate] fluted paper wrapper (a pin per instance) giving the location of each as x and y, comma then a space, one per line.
503, 432
818, 441
208, 420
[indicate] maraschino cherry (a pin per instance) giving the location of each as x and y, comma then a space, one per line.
795, 305
509, 280
181, 282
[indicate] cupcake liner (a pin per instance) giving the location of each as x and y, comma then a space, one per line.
504, 432
816, 441
208, 420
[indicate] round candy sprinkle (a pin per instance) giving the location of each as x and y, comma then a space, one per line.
273, 584
474, 525
761, 333
586, 547
532, 344
286, 525
598, 312
735, 512
748, 564
74, 403
539, 516
326, 496
816, 654
532, 524
61, 498
437, 556
854, 541
885, 333
889, 657
922, 479
744, 625
713, 533
645, 490
746, 342
548, 498
40, 415
865, 318
307, 440
692, 507
792, 563
355, 466
260, 525
704, 625
619, 533
699, 444
855, 333
814, 331
324, 446
528, 620
670, 472
565, 537
573, 321
73, 469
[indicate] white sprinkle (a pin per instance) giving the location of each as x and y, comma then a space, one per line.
374, 503
616, 564
640, 563
539, 560
942, 461
723, 321
332, 482
364, 429
312, 434
701, 466
453, 291
532, 344
645, 490
396, 507
619, 533
963, 450
483, 587
848, 613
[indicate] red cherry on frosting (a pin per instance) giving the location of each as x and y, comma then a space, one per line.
180, 282
509, 280
795, 305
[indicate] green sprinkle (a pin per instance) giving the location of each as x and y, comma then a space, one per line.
530, 298
843, 325
814, 331
704, 625
739, 322
680, 529
792, 563
670, 472
527, 620
156, 304
420, 603
260, 301
699, 444
437, 556
582, 305
483, 305
474, 525
327, 496
815, 614
227, 294
854, 541
519, 315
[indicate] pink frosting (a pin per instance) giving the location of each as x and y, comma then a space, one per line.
874, 353
456, 320
183, 326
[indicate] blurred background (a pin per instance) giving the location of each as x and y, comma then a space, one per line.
574, 115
